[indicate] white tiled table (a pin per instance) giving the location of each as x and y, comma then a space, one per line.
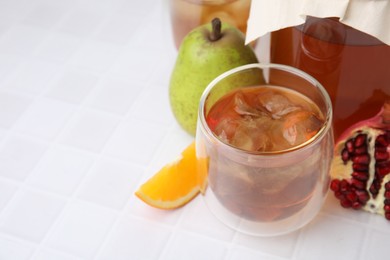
85, 119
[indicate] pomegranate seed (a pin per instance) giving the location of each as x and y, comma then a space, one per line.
382, 171
345, 155
363, 196
384, 164
356, 205
381, 140
387, 202
361, 150
351, 196
377, 184
361, 159
387, 185
360, 140
344, 185
335, 185
345, 203
373, 190
387, 194
349, 146
387, 208
381, 155
361, 176
387, 215
339, 195
358, 184
382, 149
359, 167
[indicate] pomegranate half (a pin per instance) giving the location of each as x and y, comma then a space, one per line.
361, 167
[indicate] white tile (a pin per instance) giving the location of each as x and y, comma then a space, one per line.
44, 15
198, 219
114, 95
270, 245
45, 118
32, 77
7, 190
189, 246
134, 238
18, 157
12, 107
30, 215
377, 245
49, 254
127, 7
101, 7
135, 141
137, 207
19, 9
60, 170
157, 30
9, 64
89, 130
110, 183
6, 20
3, 134
172, 146
58, 47
118, 28
12, 249
377, 221
82, 229
345, 239
22, 39
247, 254
80, 23
139, 63
72, 85
332, 206
165, 67
95, 56
153, 105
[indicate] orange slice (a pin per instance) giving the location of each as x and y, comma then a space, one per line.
177, 182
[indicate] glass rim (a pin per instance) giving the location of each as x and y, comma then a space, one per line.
303, 146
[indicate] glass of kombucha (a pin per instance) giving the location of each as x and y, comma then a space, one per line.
269, 148
188, 14
354, 67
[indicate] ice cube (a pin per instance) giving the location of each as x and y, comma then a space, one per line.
300, 126
226, 128
277, 104
244, 109
251, 134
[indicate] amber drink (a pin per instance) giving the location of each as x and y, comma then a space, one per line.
269, 148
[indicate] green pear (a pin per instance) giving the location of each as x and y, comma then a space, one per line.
206, 52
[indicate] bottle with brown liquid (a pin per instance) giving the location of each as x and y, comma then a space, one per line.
353, 66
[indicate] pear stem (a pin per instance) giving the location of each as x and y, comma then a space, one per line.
216, 30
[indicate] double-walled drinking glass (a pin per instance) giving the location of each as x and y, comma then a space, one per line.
266, 193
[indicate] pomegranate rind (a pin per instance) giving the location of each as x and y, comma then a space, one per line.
380, 121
